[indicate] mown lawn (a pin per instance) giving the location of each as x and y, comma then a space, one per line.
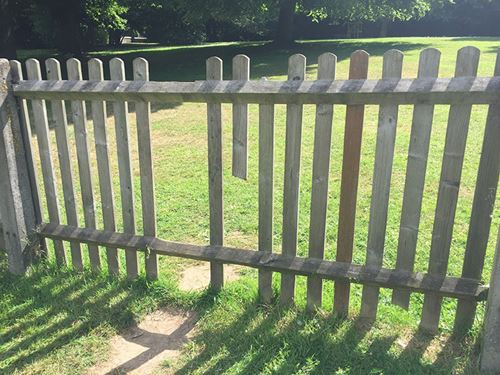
54, 321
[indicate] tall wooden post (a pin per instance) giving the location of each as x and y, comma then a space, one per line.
16, 200
490, 351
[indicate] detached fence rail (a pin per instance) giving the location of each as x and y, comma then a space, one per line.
20, 213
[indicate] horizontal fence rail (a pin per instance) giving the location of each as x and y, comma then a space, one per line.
458, 90
419, 282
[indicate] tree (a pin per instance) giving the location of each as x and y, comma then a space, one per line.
7, 41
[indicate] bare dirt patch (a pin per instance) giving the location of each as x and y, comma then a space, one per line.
197, 276
142, 348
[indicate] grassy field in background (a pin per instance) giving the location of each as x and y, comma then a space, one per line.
57, 322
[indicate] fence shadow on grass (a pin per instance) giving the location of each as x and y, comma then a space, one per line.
289, 341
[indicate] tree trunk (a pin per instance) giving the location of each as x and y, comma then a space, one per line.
284, 35
7, 37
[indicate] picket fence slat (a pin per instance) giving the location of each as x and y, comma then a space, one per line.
215, 172
482, 209
122, 131
358, 69
42, 136
296, 72
266, 194
53, 69
143, 114
451, 170
99, 119
415, 176
241, 72
26, 132
384, 154
320, 177
79, 115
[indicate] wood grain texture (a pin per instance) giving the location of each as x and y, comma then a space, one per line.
320, 176
99, 119
384, 154
296, 72
143, 116
415, 176
17, 208
419, 282
215, 172
122, 131
241, 72
53, 69
358, 69
79, 115
460, 90
40, 121
482, 210
266, 194
451, 171
26, 134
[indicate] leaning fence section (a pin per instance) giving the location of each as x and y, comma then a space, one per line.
326, 92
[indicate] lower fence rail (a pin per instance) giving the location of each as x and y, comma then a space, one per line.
462, 288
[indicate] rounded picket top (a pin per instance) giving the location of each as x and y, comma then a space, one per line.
16, 69
74, 69
117, 69
141, 69
428, 64
467, 61
214, 68
327, 63
53, 68
358, 65
241, 68
296, 67
33, 69
96, 70
392, 66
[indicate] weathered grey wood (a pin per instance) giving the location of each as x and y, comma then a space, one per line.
42, 136
25, 125
99, 119
461, 90
320, 176
266, 194
241, 72
296, 72
79, 115
358, 69
415, 176
451, 171
17, 208
215, 171
122, 129
143, 111
384, 154
482, 210
419, 282
490, 350
53, 69
2, 241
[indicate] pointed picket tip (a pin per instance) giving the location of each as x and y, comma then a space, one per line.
327, 63
428, 64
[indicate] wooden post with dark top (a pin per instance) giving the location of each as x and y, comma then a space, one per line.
17, 208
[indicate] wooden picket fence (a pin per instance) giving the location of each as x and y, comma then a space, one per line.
20, 207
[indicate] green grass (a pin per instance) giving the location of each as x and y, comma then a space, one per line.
236, 335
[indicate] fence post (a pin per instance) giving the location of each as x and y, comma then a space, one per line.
16, 199
490, 351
